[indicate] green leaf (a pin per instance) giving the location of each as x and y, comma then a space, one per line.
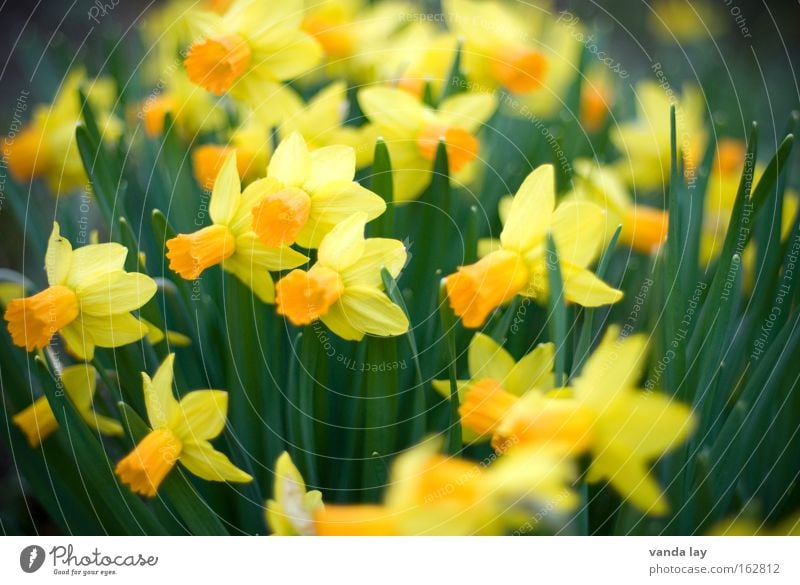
382, 185
557, 310
454, 440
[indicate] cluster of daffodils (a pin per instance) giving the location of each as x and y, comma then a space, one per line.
306, 126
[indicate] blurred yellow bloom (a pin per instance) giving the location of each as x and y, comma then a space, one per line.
250, 49
644, 143
46, 146
230, 240
344, 288
88, 301
38, 422
181, 431
433, 494
252, 145
305, 194
744, 525
412, 131
680, 21
292, 511
518, 265
496, 380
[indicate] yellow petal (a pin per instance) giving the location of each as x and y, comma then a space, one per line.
80, 384
104, 424
469, 111
115, 292
487, 359
334, 203
344, 245
93, 261
369, 310
534, 370
291, 162
578, 228
581, 286
79, 342
337, 321
615, 366
256, 278
329, 164
209, 464
200, 415
392, 109
58, 258
159, 400
443, 388
251, 252
378, 253
531, 210
111, 330
227, 192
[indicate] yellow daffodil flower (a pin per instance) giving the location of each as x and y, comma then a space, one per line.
677, 21
644, 143
181, 431
292, 511
344, 288
250, 49
495, 380
518, 265
88, 301
230, 240
253, 148
38, 422
433, 494
305, 194
46, 146
622, 427
412, 131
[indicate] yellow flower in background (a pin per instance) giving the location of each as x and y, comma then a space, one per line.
230, 240
305, 194
745, 525
433, 494
46, 146
88, 301
496, 380
292, 511
344, 288
644, 143
679, 21
250, 49
38, 422
518, 265
192, 108
412, 131
181, 431
252, 145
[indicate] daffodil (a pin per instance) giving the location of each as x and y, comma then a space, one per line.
46, 146
38, 422
292, 511
305, 194
644, 143
180, 432
230, 240
433, 494
518, 265
252, 146
88, 301
496, 379
250, 49
344, 288
679, 22
413, 130
623, 428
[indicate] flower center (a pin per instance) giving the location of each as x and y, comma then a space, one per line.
279, 217
190, 254
304, 297
730, 156
448, 480
217, 63
153, 112
37, 422
556, 423
149, 463
32, 321
485, 405
519, 70
27, 154
207, 161
335, 37
594, 108
644, 228
476, 290
462, 147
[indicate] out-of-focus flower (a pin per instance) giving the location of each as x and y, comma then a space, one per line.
46, 146
344, 288
305, 194
250, 49
685, 22
292, 511
623, 428
434, 494
252, 145
38, 422
88, 301
496, 379
192, 108
412, 131
181, 431
230, 240
744, 525
644, 143
597, 98
518, 266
